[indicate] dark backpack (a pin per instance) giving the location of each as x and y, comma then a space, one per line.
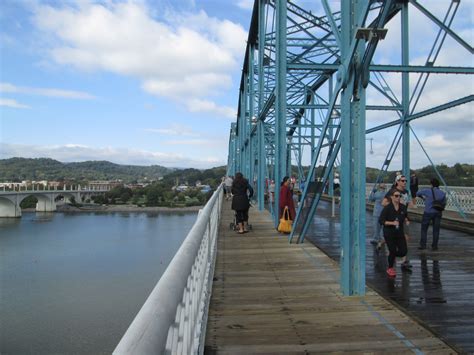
249, 187
437, 204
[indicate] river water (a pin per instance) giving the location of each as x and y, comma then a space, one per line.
72, 283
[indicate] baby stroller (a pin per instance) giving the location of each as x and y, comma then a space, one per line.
235, 227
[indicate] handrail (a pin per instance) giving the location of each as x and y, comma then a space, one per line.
174, 317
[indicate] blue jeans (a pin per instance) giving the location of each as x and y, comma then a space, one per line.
377, 229
425, 223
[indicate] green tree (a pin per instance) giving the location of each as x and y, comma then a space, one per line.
29, 202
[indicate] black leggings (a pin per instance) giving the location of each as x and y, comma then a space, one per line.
397, 245
241, 216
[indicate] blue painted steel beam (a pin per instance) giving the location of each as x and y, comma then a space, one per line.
252, 138
424, 113
261, 101
405, 95
442, 25
320, 106
280, 101
384, 68
352, 167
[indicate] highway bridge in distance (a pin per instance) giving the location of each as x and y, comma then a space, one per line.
47, 199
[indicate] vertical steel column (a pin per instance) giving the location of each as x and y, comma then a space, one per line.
352, 157
231, 165
405, 94
331, 137
251, 95
241, 136
245, 131
261, 87
313, 129
280, 101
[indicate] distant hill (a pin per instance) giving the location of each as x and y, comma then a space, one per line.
18, 169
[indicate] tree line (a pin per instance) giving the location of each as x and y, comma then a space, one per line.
457, 175
160, 193
20, 169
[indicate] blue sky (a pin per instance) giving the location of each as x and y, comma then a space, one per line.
147, 82
131, 82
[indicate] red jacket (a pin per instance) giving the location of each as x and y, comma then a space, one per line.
286, 199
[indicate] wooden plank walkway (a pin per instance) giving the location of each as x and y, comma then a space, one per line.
439, 291
273, 297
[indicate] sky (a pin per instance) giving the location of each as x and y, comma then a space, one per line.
156, 82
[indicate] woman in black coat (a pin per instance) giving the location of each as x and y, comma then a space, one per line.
393, 217
242, 192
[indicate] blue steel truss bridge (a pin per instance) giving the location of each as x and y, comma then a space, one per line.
316, 86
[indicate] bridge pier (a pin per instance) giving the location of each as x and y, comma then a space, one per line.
46, 205
9, 208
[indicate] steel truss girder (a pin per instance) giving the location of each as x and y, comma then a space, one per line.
289, 107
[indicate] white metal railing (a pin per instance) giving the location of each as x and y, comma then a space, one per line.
458, 196
174, 317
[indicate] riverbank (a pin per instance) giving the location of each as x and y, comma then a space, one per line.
124, 208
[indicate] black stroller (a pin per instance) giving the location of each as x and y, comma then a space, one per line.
233, 225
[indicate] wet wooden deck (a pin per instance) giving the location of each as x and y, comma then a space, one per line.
273, 297
439, 291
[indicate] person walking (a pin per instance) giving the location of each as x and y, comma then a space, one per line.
271, 191
336, 186
242, 192
431, 213
286, 199
400, 186
377, 196
393, 217
413, 187
228, 181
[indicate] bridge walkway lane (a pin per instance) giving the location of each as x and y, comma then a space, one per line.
439, 291
273, 297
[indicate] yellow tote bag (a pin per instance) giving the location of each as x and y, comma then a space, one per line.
285, 222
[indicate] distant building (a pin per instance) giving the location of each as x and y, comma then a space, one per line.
181, 188
13, 185
205, 189
104, 185
55, 185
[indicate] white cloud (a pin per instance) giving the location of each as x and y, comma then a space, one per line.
245, 4
68, 94
78, 152
197, 105
174, 130
199, 142
190, 55
12, 103
192, 85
